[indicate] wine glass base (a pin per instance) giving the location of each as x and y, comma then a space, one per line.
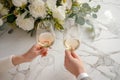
47, 60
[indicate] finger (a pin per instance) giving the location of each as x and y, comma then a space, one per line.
44, 52
68, 54
74, 55
37, 46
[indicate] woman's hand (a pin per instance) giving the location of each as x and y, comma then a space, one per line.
32, 53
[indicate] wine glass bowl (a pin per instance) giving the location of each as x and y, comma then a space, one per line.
45, 34
71, 37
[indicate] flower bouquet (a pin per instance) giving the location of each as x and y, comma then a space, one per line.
26, 14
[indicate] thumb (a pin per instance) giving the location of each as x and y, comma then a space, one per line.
68, 54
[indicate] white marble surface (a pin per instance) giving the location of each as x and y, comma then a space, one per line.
100, 56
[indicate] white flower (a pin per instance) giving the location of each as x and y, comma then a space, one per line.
68, 4
1, 22
1, 6
4, 11
31, 1
51, 4
19, 3
25, 23
59, 13
38, 9
78, 1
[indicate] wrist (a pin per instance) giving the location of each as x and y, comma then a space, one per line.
80, 72
16, 60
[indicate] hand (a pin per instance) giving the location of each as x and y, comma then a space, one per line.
32, 53
73, 63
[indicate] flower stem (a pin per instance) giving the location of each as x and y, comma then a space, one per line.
6, 16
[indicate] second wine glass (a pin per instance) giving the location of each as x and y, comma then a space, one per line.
71, 37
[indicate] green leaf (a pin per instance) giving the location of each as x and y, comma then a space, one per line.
11, 18
96, 9
58, 26
59, 3
32, 32
94, 15
75, 9
80, 20
71, 15
85, 5
27, 15
86, 8
91, 28
83, 14
22, 11
98, 6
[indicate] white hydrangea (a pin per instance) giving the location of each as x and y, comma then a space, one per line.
38, 9
4, 11
59, 13
1, 22
1, 6
25, 23
19, 3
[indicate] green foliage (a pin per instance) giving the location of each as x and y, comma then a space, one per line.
57, 25
32, 32
59, 3
94, 15
27, 15
81, 11
11, 18
96, 9
80, 20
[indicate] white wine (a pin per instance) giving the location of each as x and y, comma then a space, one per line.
46, 39
71, 43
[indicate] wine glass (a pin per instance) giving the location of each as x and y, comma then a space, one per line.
71, 37
45, 37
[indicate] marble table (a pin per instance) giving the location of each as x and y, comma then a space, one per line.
100, 56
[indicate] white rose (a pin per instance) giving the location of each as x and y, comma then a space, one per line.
4, 11
25, 23
1, 6
51, 4
19, 3
59, 13
1, 22
38, 9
